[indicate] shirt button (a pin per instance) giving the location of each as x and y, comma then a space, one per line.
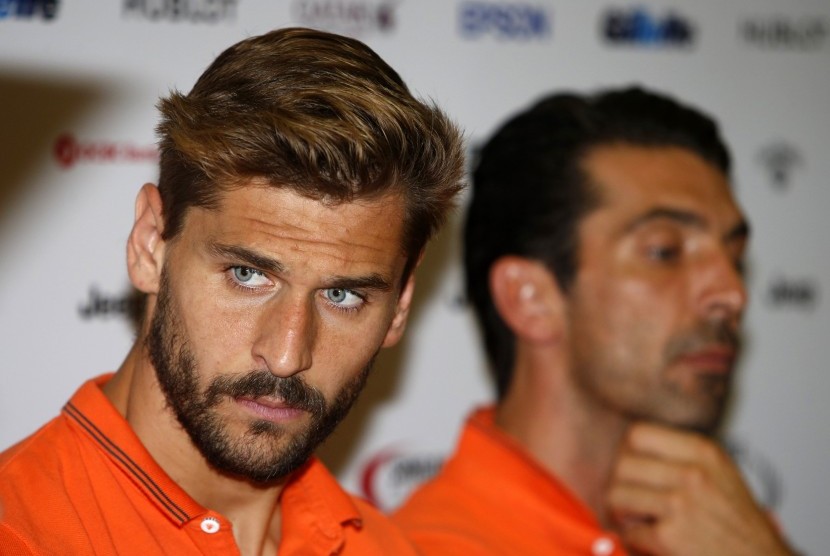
210, 525
603, 546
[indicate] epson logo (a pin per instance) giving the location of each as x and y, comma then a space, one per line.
189, 11
503, 21
796, 293
638, 27
778, 32
349, 17
780, 159
29, 9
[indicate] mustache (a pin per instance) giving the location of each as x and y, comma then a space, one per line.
291, 390
707, 334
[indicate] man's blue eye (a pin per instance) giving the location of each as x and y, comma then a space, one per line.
249, 276
243, 273
343, 298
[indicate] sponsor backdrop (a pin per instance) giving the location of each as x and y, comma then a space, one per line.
78, 84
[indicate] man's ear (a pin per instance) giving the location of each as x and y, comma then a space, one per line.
528, 298
396, 329
145, 246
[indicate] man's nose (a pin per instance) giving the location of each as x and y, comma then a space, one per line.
285, 341
723, 292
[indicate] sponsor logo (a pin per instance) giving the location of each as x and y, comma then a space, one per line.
638, 27
780, 159
190, 11
69, 151
763, 478
779, 32
503, 21
789, 292
347, 17
29, 9
98, 305
388, 477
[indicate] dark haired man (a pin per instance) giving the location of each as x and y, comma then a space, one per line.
603, 253
299, 184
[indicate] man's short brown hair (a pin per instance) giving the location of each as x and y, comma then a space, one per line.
315, 112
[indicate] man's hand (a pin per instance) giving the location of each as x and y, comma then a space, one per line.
678, 493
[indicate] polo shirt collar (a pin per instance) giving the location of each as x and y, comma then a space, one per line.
312, 499
494, 445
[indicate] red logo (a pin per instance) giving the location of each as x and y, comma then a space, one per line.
389, 476
68, 152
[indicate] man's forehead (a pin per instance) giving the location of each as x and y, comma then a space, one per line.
262, 188
621, 172
273, 221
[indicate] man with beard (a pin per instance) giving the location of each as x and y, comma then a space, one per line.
299, 183
603, 255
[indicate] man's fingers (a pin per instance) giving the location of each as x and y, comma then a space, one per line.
641, 538
651, 472
626, 501
671, 444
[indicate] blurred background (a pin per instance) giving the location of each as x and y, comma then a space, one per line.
79, 80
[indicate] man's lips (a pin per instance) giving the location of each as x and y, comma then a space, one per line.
271, 409
713, 360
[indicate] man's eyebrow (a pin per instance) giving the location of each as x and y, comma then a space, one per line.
247, 256
369, 282
687, 218
680, 216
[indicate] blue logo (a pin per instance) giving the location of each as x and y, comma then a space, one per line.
503, 21
29, 9
638, 27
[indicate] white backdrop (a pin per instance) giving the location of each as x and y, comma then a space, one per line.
78, 84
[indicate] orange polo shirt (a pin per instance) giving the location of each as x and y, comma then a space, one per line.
491, 498
84, 484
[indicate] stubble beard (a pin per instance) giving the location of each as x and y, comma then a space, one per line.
664, 395
264, 453
707, 404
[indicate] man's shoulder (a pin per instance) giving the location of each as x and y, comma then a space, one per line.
457, 511
55, 442
38, 453
36, 468
12, 544
33, 475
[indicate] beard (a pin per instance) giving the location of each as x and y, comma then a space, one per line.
711, 391
614, 381
265, 452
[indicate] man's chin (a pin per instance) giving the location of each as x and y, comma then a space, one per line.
703, 422
259, 467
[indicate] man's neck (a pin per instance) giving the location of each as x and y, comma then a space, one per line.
575, 442
252, 509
